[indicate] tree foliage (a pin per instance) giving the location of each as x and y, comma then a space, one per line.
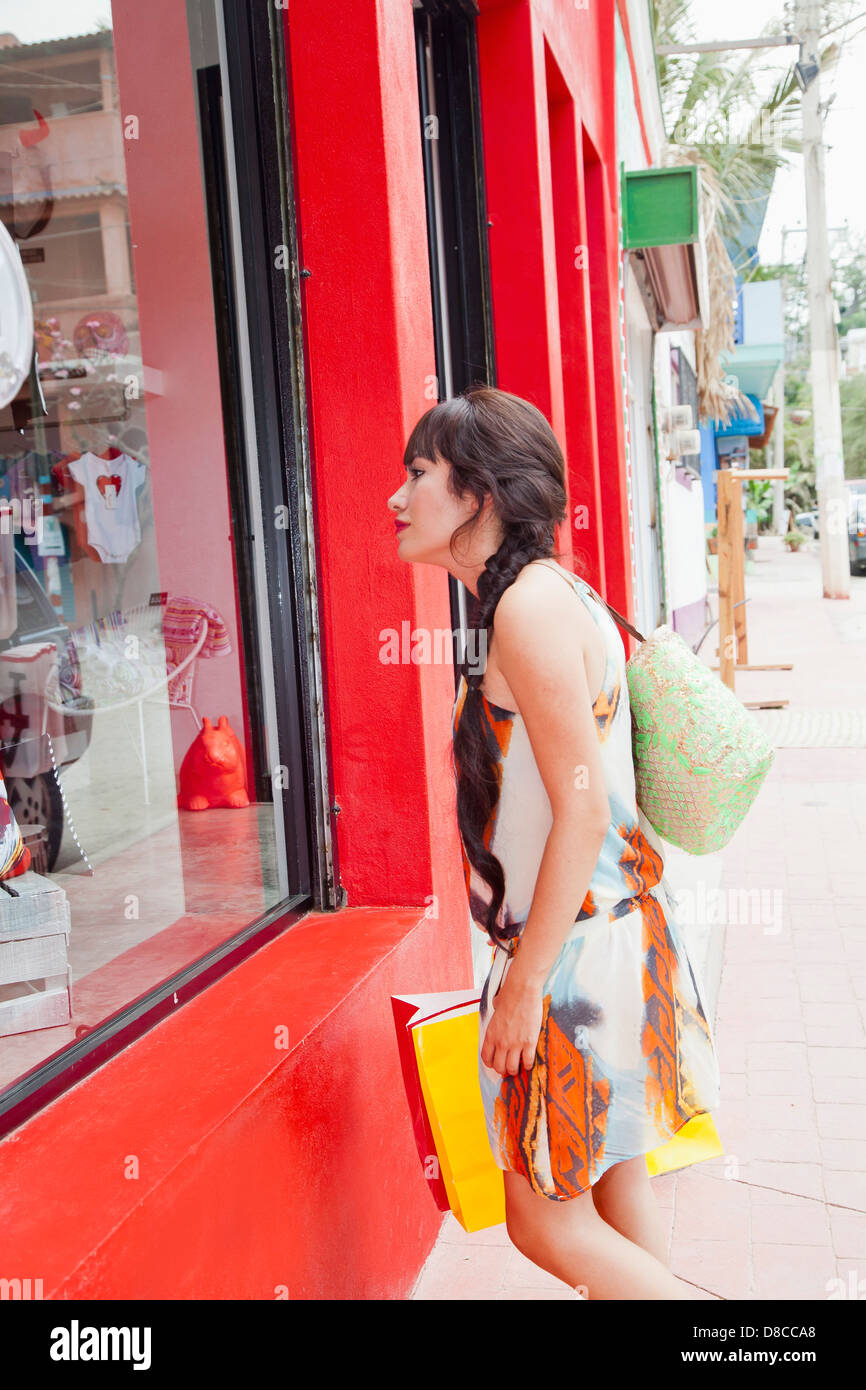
717, 103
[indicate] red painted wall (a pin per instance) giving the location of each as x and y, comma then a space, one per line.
207, 1162
256, 1168
574, 265
547, 95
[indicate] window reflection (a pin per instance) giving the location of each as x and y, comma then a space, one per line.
122, 628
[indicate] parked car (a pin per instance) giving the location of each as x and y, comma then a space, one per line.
807, 522
857, 534
31, 786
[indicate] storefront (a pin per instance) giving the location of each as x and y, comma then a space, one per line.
259, 244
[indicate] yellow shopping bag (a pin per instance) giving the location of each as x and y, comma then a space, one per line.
438, 1040
698, 1139
438, 1037
447, 1053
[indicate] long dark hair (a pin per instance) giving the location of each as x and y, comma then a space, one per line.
501, 445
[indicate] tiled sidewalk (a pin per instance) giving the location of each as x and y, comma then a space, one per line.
783, 1213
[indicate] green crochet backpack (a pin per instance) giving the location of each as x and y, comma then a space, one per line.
700, 758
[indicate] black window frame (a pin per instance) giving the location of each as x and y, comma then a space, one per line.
472, 360
258, 82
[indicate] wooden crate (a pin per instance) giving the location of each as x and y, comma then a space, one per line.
43, 1008
35, 976
31, 905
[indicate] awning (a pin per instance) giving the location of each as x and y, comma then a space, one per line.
743, 424
759, 337
760, 440
663, 235
754, 367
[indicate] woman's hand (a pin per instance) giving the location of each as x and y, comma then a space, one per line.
512, 1032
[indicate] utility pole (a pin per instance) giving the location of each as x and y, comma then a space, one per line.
779, 390
827, 415
776, 451
824, 373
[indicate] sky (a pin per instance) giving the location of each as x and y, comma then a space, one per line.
844, 129
845, 125
31, 21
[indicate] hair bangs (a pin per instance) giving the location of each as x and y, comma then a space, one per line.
437, 433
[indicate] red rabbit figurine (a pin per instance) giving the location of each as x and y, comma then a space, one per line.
213, 771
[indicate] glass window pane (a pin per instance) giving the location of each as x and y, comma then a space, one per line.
133, 657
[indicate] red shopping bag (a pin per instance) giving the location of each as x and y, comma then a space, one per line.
437, 1036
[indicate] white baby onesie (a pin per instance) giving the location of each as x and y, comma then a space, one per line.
110, 508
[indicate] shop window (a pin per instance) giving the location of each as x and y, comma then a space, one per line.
685, 392
154, 639
449, 102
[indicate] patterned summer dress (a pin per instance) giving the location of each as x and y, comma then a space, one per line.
626, 1054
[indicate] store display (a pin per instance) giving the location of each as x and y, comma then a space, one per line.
101, 329
25, 486
50, 542
50, 342
27, 672
127, 498
8, 585
182, 626
213, 772
16, 320
110, 482
14, 854
69, 505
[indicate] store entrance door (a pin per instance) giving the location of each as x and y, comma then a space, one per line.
447, 70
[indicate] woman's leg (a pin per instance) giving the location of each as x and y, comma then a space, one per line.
571, 1241
624, 1198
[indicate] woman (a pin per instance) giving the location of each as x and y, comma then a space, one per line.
594, 1042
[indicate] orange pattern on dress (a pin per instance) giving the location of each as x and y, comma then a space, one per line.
604, 710
663, 1093
641, 866
560, 1090
517, 1114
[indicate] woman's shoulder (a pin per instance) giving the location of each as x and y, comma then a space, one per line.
540, 589
540, 610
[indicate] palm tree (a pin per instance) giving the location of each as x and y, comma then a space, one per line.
713, 105
703, 95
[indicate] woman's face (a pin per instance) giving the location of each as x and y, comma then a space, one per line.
431, 513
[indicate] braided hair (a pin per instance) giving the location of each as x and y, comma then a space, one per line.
500, 445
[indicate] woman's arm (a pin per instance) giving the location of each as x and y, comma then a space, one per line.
542, 639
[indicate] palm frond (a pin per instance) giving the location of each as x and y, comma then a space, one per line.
717, 399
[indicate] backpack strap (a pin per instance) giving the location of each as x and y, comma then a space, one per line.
623, 622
